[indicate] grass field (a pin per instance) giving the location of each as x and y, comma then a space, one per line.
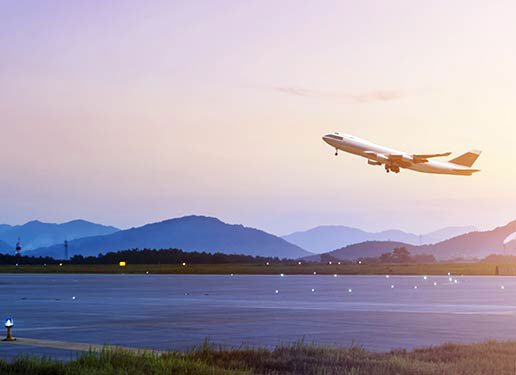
485, 358
287, 269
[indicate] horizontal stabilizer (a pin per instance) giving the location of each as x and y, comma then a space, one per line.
465, 172
468, 159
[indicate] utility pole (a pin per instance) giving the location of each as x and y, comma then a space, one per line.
18, 248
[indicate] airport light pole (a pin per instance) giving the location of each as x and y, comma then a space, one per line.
9, 323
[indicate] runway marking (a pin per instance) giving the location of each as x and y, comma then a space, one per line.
75, 346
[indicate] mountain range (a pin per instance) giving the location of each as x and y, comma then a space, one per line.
469, 245
36, 234
189, 233
329, 237
5, 247
201, 233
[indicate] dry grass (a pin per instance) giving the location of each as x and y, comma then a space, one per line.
272, 269
485, 358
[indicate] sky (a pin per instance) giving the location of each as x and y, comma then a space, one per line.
132, 112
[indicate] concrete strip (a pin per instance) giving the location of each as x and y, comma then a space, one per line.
74, 346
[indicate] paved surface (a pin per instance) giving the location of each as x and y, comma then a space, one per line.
177, 312
72, 346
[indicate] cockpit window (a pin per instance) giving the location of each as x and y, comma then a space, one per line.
335, 137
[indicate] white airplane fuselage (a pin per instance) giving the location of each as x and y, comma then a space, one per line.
380, 155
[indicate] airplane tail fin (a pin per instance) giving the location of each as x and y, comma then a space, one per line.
468, 159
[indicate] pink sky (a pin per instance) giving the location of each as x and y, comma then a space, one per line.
130, 112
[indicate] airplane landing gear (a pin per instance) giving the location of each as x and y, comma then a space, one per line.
392, 168
336, 152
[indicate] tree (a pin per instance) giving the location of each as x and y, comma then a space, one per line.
401, 255
386, 258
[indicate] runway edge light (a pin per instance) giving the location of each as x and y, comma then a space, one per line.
9, 324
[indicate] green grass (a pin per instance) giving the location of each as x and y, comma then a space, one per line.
485, 358
273, 269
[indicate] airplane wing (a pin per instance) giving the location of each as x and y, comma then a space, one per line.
384, 158
376, 156
423, 158
428, 156
402, 160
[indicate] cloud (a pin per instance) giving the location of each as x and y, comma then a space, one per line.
366, 97
297, 91
380, 95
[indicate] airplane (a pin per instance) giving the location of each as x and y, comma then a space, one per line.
394, 160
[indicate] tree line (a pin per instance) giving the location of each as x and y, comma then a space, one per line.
146, 256
175, 256
171, 256
398, 255
24, 259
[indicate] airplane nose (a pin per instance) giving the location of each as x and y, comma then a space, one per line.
326, 138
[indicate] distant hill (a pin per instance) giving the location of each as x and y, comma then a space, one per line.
475, 244
368, 249
4, 227
35, 234
189, 233
326, 238
6, 248
469, 245
445, 234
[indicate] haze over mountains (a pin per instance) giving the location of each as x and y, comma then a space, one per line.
330, 237
189, 233
35, 234
469, 245
5, 247
209, 234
